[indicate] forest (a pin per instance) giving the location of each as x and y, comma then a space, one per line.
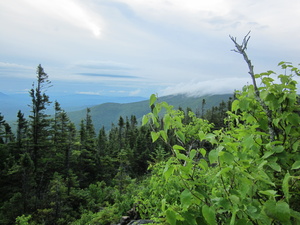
237, 163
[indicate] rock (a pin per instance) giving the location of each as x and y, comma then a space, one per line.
137, 222
124, 220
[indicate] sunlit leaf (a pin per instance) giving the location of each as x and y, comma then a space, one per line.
145, 120
153, 98
154, 136
193, 153
296, 165
213, 156
186, 198
171, 217
285, 186
164, 135
209, 215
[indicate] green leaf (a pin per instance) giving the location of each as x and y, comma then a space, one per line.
201, 135
209, 215
180, 135
234, 199
278, 148
203, 152
274, 166
296, 165
193, 153
145, 120
168, 171
227, 157
167, 122
186, 199
163, 204
293, 119
203, 164
271, 193
285, 186
244, 104
153, 98
164, 135
178, 147
224, 170
235, 105
295, 214
296, 146
181, 156
279, 211
171, 217
154, 136
213, 156
267, 154
211, 138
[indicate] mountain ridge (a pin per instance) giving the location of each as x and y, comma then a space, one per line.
106, 114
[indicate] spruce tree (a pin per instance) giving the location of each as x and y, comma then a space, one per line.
39, 119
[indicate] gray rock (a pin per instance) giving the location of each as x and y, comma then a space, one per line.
137, 222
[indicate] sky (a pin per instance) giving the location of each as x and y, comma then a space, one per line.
141, 47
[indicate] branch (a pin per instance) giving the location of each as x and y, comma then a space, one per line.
241, 49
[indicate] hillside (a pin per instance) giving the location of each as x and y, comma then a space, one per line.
11, 104
108, 113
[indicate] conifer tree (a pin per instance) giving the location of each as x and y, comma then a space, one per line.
39, 126
39, 119
22, 128
88, 151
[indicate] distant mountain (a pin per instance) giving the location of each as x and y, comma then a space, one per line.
11, 104
81, 101
108, 113
104, 110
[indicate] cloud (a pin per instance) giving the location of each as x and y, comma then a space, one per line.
132, 45
106, 75
6, 65
135, 92
103, 65
226, 16
89, 93
16, 70
215, 86
70, 11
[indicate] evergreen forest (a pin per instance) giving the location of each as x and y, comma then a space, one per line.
236, 163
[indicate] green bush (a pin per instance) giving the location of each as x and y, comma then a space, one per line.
251, 174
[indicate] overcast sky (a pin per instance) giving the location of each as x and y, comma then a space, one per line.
139, 47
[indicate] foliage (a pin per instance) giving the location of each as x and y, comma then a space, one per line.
246, 178
236, 163
23, 220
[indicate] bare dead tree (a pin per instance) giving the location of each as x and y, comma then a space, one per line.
241, 49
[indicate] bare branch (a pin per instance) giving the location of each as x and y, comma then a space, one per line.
241, 49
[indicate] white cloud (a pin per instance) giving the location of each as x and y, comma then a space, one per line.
214, 86
135, 92
89, 93
103, 65
226, 16
70, 11
14, 66
165, 43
